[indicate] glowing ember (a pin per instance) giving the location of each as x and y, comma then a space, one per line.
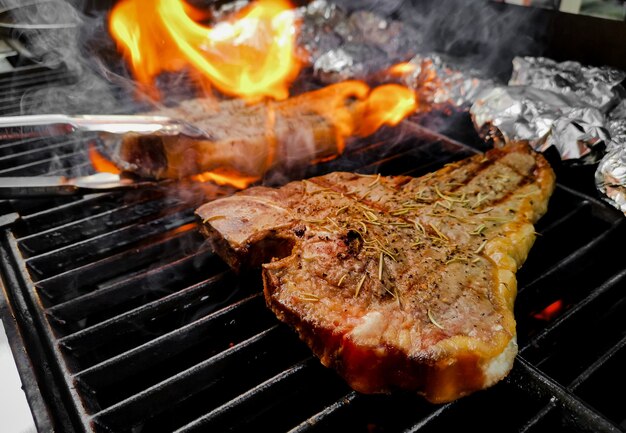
550, 312
184, 228
100, 163
251, 56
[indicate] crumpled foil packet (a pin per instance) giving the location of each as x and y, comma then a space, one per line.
597, 87
565, 105
544, 118
611, 176
442, 81
341, 45
611, 172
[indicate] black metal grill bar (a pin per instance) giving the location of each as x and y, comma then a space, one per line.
145, 404
580, 312
328, 412
94, 225
166, 345
43, 145
120, 376
43, 167
529, 379
572, 259
11, 101
52, 216
30, 155
69, 284
122, 325
581, 207
600, 362
110, 296
431, 418
616, 282
560, 356
79, 169
614, 355
10, 146
46, 76
77, 254
415, 155
249, 402
16, 107
34, 82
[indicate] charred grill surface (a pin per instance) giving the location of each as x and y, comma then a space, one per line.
173, 341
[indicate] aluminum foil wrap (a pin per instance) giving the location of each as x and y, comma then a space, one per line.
443, 82
565, 105
611, 172
597, 87
611, 176
342, 45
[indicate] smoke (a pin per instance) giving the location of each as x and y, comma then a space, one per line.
74, 46
486, 34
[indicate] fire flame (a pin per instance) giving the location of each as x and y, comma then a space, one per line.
226, 177
100, 163
355, 109
250, 56
401, 69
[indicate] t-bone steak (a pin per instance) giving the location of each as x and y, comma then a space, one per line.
396, 282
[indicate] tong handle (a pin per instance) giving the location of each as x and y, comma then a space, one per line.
45, 186
37, 125
19, 127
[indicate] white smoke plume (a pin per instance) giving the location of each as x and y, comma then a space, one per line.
60, 36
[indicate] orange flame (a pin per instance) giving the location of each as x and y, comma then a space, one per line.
387, 105
353, 108
226, 177
401, 69
100, 163
184, 228
251, 56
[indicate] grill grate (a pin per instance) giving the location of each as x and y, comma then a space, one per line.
133, 324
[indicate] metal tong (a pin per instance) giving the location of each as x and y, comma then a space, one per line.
42, 125
46, 186
45, 125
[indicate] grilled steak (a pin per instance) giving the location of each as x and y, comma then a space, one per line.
247, 139
396, 282
252, 139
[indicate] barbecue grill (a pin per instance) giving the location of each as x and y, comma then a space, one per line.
122, 319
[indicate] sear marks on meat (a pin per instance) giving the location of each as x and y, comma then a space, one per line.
396, 282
